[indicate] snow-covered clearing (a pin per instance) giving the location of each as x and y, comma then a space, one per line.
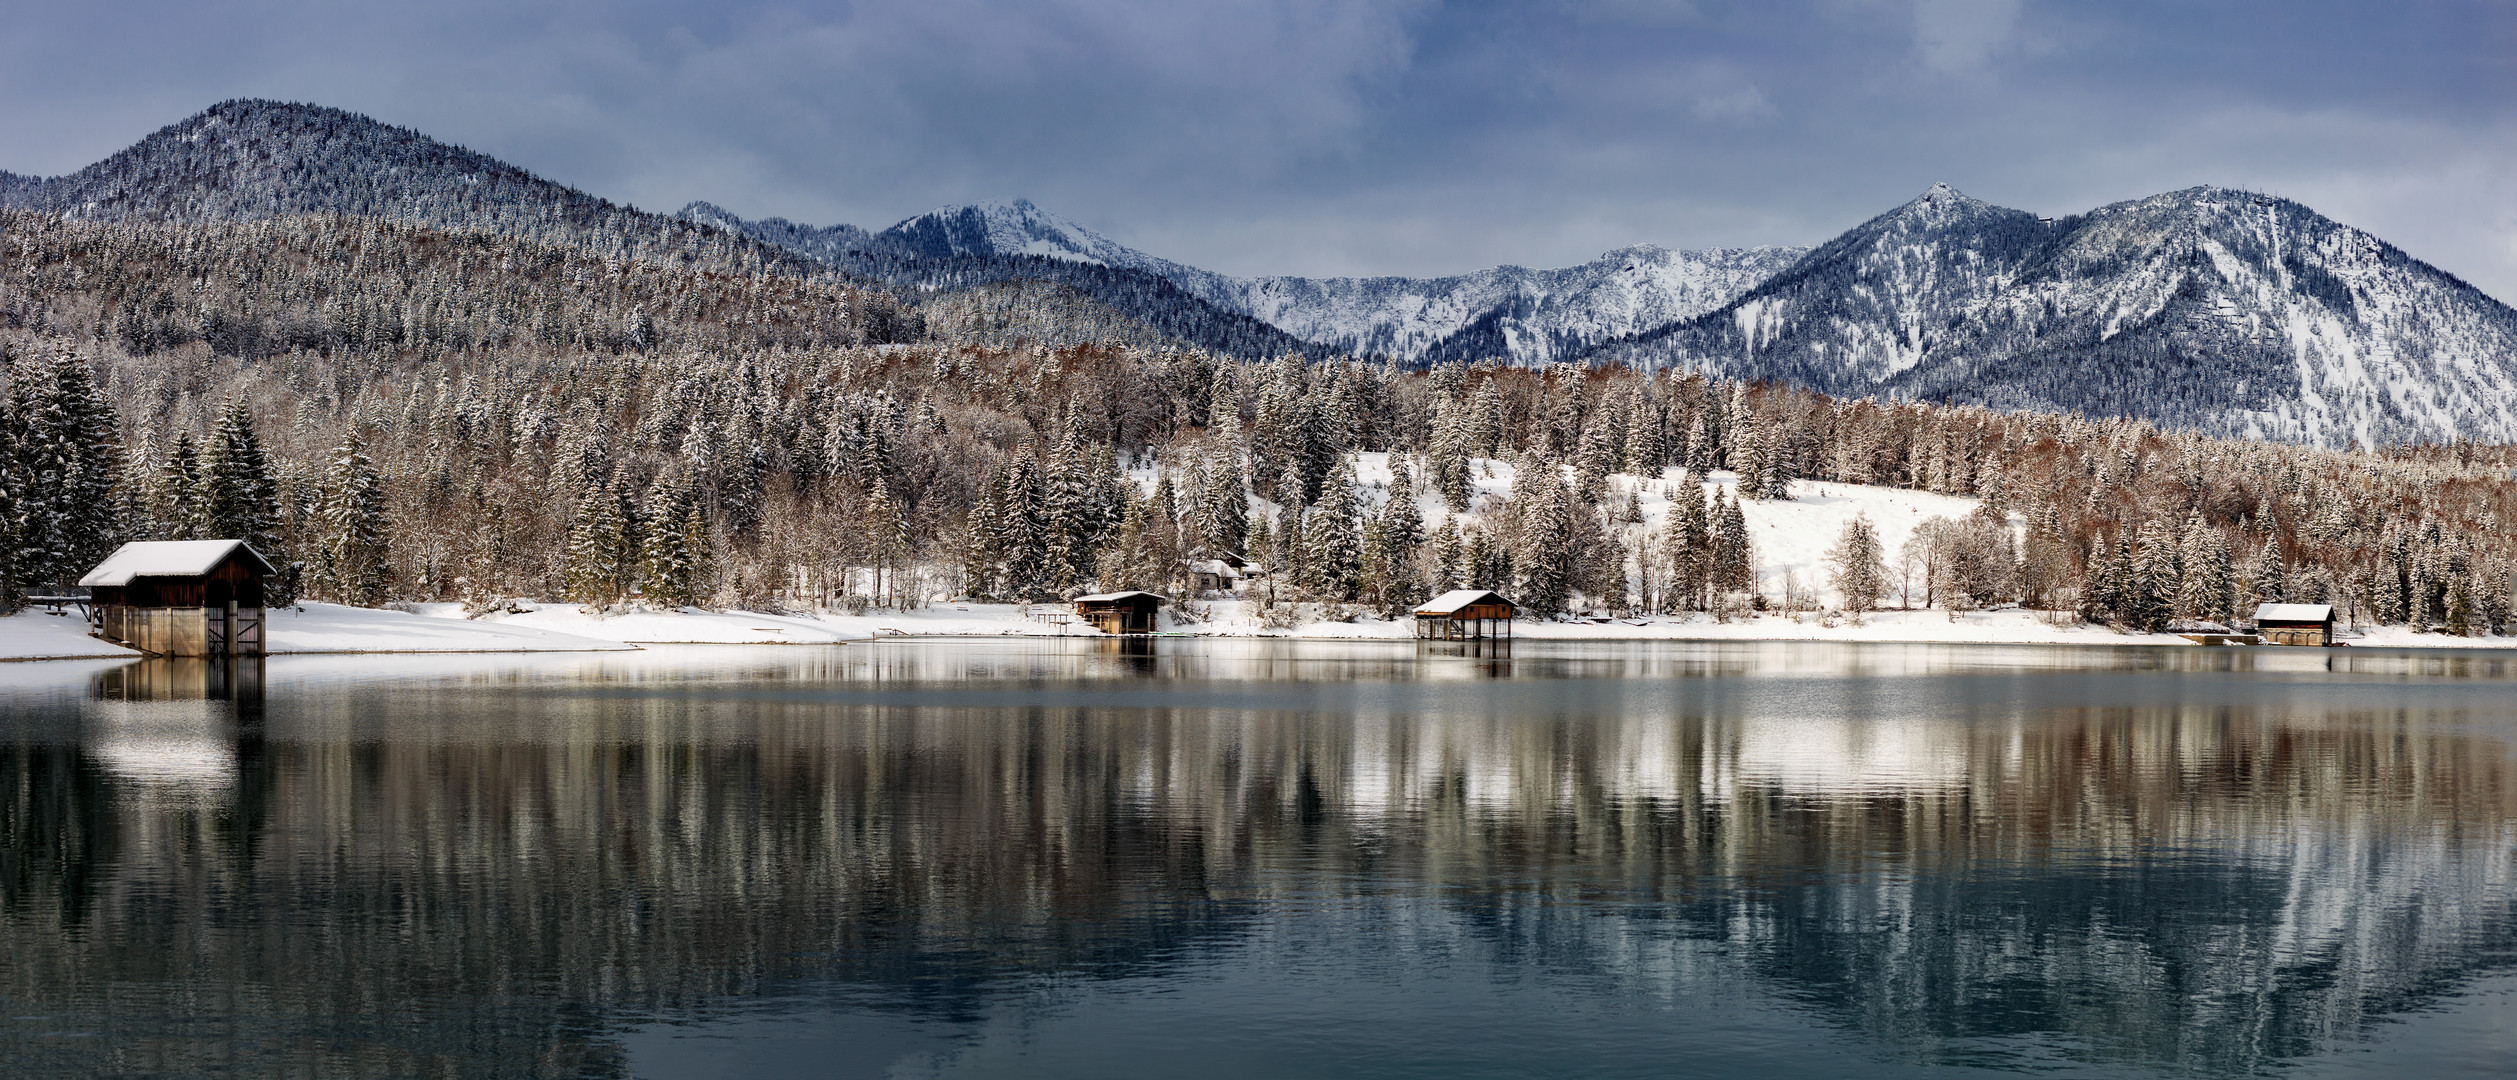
34, 634
682, 626
335, 628
1791, 536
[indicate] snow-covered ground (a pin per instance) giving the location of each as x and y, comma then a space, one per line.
334, 628
36, 635
681, 626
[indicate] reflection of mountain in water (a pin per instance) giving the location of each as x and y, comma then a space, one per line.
491, 872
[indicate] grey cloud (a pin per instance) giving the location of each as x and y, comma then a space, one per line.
1346, 136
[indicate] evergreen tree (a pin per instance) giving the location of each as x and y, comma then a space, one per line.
1390, 546
1644, 451
1861, 572
2268, 582
1687, 547
1227, 510
2207, 587
177, 492
1446, 569
2150, 589
239, 497
674, 546
65, 460
1333, 535
353, 557
1734, 565
1544, 555
603, 549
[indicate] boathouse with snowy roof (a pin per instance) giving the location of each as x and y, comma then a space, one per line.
1120, 612
180, 597
2295, 624
1466, 615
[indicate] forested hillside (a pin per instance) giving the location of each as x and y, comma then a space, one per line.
400, 412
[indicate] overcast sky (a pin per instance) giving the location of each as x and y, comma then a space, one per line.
1335, 137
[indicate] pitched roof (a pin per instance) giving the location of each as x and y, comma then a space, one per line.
1102, 596
2294, 612
1451, 602
167, 558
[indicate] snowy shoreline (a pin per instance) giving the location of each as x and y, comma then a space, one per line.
321, 629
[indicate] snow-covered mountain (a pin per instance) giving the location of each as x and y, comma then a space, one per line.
2207, 308
248, 159
1524, 315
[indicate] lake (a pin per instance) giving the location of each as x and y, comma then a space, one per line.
1250, 858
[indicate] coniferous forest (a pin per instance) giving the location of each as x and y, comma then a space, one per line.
397, 412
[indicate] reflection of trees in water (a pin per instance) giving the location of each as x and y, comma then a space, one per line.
496, 870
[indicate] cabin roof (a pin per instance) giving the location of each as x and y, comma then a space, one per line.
168, 558
2294, 612
1451, 602
1105, 597
1217, 567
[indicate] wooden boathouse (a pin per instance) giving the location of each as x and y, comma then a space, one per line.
1119, 612
2295, 624
1465, 615
180, 597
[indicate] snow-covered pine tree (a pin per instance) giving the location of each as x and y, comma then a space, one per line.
239, 495
1596, 458
2268, 579
1391, 545
1445, 568
1022, 533
1860, 572
603, 548
1687, 546
2157, 570
1333, 533
1544, 553
2208, 587
1226, 509
1645, 449
1748, 458
1734, 562
353, 563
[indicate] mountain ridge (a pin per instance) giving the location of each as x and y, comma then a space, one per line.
2207, 308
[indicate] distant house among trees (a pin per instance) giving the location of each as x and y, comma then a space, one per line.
1119, 612
181, 597
1465, 614
1220, 574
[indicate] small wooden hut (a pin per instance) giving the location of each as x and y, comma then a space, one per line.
1119, 612
2295, 624
1465, 615
180, 597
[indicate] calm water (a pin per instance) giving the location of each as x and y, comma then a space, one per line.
1264, 859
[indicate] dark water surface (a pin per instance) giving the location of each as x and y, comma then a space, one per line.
1264, 859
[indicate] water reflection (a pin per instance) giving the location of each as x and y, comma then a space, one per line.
2213, 860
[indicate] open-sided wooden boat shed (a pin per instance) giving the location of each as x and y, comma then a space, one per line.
1119, 612
1466, 615
180, 597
